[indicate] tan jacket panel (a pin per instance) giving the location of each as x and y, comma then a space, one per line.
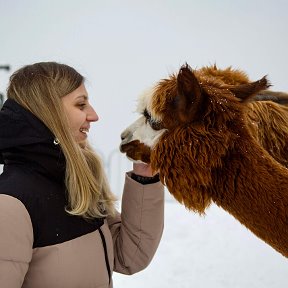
76, 263
16, 241
137, 233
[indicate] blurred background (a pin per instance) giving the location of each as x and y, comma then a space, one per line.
123, 47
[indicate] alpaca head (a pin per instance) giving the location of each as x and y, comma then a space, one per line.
187, 124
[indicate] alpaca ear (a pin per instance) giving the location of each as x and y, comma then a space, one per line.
246, 91
188, 94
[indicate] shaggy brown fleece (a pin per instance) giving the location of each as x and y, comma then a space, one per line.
268, 123
267, 120
216, 148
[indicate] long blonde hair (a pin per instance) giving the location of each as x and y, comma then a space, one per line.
39, 88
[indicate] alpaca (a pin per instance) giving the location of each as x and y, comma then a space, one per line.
198, 132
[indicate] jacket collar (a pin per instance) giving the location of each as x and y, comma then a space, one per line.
25, 140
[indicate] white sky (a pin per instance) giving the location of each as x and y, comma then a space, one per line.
122, 47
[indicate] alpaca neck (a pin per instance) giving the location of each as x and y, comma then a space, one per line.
254, 189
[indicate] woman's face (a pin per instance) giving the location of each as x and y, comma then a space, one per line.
79, 112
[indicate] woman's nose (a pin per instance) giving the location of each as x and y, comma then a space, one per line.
92, 116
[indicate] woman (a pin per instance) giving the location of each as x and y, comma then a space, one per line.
58, 223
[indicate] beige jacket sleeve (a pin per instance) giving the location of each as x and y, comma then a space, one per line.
16, 240
137, 231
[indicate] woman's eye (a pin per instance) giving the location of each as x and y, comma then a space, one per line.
81, 105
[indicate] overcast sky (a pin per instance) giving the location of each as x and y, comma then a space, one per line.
123, 47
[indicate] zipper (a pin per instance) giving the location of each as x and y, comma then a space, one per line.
105, 253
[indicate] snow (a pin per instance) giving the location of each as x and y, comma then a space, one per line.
211, 251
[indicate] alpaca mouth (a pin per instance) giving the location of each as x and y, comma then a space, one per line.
128, 147
136, 151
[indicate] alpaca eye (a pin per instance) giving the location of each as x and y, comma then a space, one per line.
156, 125
146, 115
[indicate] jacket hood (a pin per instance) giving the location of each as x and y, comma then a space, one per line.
24, 139
20, 127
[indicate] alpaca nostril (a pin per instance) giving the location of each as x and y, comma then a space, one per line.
124, 135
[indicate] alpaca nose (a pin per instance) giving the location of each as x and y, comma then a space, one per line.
124, 135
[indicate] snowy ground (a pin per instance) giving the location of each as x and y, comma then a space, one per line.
212, 251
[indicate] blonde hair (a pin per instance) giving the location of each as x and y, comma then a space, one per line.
39, 88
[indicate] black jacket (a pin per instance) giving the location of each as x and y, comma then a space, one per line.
34, 172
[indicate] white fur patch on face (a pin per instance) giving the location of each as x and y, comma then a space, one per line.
145, 103
145, 100
142, 131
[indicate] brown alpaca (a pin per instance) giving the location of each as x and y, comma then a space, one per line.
198, 132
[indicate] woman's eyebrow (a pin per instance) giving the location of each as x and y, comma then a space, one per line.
82, 96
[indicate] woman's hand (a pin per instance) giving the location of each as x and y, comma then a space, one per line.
143, 169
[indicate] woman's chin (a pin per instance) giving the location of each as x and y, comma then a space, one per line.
80, 137
82, 143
